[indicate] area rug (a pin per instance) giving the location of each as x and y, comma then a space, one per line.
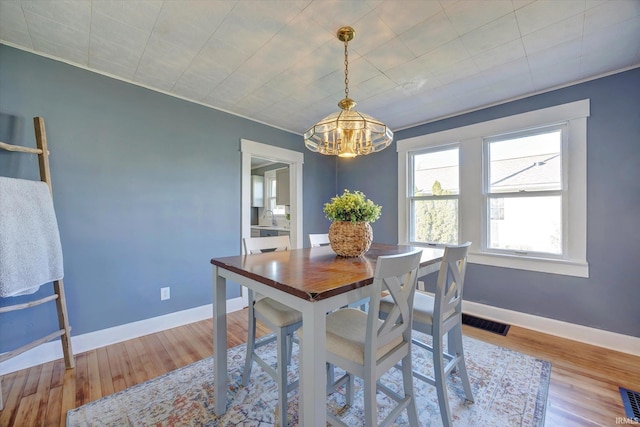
510, 389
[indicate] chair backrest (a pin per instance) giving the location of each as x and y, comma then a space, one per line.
256, 245
397, 274
316, 240
448, 296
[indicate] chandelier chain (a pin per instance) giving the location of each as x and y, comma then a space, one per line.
346, 71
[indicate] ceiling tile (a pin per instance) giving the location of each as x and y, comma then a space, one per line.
140, 14
610, 13
430, 34
13, 26
466, 16
371, 32
74, 14
390, 55
400, 18
47, 30
117, 32
499, 55
492, 35
112, 58
542, 13
554, 34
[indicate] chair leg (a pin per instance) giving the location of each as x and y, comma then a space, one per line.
369, 396
461, 365
407, 380
251, 342
350, 389
281, 371
440, 380
289, 348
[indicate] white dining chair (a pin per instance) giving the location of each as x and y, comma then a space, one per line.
441, 315
316, 240
281, 319
365, 346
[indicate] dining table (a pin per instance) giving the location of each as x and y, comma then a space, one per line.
314, 281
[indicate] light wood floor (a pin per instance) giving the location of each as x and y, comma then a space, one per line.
583, 390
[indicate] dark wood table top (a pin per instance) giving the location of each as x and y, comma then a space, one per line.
317, 273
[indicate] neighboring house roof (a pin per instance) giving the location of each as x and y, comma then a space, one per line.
539, 172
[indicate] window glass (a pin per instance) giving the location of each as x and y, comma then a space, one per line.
524, 192
434, 205
529, 163
528, 224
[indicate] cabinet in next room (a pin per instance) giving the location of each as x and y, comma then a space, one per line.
282, 187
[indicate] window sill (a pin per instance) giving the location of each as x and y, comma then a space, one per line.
577, 268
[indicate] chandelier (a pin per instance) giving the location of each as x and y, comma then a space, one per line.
347, 133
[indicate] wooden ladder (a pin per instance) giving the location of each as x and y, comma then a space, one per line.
64, 330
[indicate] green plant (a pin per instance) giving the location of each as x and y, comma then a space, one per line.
353, 207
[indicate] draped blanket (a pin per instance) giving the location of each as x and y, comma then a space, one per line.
30, 249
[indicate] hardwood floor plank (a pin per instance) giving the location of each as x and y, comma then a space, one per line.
27, 412
104, 368
68, 391
82, 380
44, 384
54, 415
583, 390
12, 397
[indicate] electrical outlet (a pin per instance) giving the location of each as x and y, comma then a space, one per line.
165, 293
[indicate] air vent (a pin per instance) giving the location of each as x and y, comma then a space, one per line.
487, 325
631, 402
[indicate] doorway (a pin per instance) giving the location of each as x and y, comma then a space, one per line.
295, 159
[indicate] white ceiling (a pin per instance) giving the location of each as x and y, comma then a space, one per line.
280, 63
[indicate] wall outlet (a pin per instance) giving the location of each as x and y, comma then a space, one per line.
165, 293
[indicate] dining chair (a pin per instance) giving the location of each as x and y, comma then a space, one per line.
316, 240
365, 346
284, 321
441, 315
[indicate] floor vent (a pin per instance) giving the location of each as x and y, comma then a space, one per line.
487, 325
631, 402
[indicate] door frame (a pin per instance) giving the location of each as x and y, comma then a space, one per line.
295, 160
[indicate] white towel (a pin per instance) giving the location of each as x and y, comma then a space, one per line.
30, 250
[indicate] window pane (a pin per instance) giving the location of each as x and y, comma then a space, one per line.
530, 224
436, 173
530, 163
435, 221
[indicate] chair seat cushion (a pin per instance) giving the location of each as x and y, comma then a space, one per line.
422, 307
277, 313
346, 334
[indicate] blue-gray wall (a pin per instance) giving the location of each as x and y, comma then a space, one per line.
609, 298
146, 191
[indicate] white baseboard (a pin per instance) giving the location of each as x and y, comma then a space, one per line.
53, 350
585, 334
85, 342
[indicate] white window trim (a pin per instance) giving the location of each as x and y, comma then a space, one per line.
471, 205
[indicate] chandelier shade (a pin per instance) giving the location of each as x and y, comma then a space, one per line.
348, 133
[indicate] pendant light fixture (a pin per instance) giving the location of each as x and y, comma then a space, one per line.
347, 133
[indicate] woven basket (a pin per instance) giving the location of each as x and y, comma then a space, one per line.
350, 239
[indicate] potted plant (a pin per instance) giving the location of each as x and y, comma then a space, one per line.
350, 233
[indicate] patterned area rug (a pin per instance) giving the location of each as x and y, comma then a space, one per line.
510, 389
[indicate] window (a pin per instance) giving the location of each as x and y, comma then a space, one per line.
524, 191
434, 198
270, 184
515, 187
